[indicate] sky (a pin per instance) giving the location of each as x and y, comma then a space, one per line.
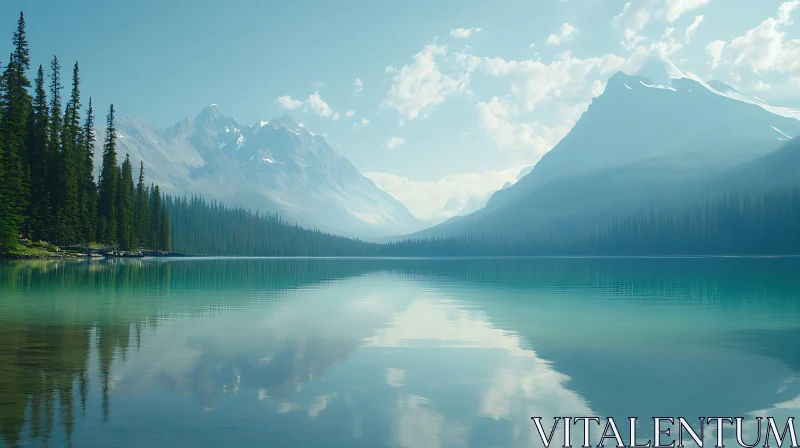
432, 100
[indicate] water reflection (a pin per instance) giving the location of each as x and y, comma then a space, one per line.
411, 353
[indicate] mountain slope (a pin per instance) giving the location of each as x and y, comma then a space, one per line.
274, 165
778, 168
646, 139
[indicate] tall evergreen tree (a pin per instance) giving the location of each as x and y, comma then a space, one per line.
70, 163
39, 209
17, 107
106, 203
88, 188
165, 233
125, 204
141, 210
54, 141
3, 203
154, 228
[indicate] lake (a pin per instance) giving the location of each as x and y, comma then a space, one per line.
387, 353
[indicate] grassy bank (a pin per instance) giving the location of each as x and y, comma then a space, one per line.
29, 250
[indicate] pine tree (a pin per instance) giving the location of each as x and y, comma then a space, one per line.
125, 236
106, 204
88, 188
165, 236
54, 143
38, 134
70, 162
3, 220
141, 210
17, 107
154, 227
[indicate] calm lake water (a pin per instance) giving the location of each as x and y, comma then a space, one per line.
387, 353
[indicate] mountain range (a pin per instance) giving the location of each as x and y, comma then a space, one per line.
658, 136
272, 166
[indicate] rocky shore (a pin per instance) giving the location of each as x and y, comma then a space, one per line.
27, 250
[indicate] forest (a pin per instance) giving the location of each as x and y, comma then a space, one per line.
48, 192
733, 223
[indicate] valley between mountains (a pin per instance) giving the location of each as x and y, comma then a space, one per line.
658, 137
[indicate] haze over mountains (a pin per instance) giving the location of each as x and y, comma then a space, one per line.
275, 166
658, 136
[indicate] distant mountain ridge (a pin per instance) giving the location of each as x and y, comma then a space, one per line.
650, 137
275, 166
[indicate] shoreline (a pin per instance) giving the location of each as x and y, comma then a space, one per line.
154, 254
46, 251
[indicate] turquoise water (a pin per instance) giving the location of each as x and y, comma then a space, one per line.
387, 353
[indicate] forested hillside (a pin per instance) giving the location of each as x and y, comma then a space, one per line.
210, 228
733, 223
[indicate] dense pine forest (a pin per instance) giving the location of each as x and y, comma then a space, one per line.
734, 223
47, 187
200, 227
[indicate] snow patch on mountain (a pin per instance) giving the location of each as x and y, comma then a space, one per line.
212, 155
653, 86
781, 132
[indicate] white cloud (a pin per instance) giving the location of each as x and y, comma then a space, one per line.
714, 49
676, 8
336, 116
632, 39
565, 34
648, 10
287, 102
763, 48
358, 85
464, 32
394, 142
785, 12
761, 85
690, 30
420, 86
619, 17
635, 20
319, 106
566, 77
390, 69
426, 199
364, 121
598, 87
468, 61
500, 120
563, 88
349, 114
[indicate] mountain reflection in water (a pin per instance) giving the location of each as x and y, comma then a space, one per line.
411, 353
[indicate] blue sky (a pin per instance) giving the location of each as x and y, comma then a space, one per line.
452, 97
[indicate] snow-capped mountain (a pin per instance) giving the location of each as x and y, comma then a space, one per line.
274, 165
649, 137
